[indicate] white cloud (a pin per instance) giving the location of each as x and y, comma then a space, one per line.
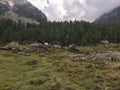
75, 9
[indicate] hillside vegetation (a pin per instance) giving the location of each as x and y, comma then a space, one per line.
79, 33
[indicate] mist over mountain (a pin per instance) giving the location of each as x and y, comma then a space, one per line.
111, 17
21, 10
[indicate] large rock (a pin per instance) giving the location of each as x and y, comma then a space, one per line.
13, 44
15, 47
54, 44
104, 41
38, 47
10, 46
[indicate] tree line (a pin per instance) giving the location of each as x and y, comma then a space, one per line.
79, 33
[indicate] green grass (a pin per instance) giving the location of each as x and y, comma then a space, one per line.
54, 71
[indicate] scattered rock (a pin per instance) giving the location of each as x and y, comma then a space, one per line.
38, 47
54, 44
13, 44
21, 53
10, 46
24, 49
105, 56
104, 41
15, 47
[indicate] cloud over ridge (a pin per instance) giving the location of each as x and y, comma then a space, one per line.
61, 10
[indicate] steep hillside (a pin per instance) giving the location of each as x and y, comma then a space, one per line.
29, 11
111, 17
21, 10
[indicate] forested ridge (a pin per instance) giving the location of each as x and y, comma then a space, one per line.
79, 33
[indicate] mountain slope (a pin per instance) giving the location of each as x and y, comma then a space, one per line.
29, 11
22, 10
111, 17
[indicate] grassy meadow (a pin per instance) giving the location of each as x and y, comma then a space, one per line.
54, 70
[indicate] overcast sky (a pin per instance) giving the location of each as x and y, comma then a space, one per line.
89, 10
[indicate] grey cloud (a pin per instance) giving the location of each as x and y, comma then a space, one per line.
96, 8
52, 13
76, 9
48, 2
